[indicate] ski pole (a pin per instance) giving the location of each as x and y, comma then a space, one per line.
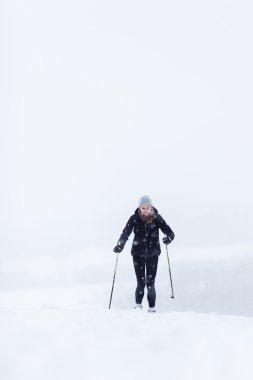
172, 293
114, 279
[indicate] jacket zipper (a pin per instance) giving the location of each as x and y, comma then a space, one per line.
146, 239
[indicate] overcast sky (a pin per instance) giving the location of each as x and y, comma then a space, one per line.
104, 101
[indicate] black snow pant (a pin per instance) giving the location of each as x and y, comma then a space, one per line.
145, 270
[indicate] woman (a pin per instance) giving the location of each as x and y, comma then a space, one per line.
145, 223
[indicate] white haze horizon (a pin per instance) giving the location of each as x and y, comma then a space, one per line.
104, 102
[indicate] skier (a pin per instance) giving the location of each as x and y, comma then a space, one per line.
145, 223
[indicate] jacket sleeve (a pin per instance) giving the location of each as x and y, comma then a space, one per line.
165, 228
126, 232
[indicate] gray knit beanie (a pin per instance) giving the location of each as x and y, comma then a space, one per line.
145, 200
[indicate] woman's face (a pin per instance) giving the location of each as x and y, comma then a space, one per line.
145, 209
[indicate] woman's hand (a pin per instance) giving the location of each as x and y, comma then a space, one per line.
167, 240
117, 249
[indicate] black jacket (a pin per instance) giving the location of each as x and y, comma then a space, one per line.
146, 236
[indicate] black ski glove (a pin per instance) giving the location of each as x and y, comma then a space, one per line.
117, 249
167, 240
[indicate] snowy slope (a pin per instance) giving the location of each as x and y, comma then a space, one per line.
80, 342
60, 327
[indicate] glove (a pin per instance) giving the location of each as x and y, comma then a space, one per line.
167, 240
117, 249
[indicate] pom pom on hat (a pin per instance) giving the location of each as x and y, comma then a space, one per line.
145, 200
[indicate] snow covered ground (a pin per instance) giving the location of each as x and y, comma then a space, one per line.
55, 322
